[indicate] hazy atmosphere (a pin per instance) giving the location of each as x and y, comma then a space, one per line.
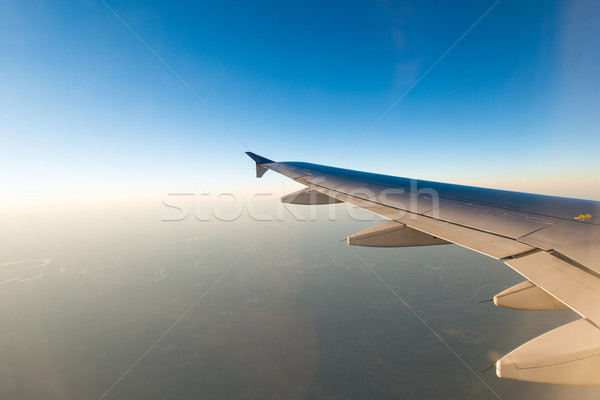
85, 294
141, 258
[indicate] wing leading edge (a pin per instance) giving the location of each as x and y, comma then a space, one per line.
554, 242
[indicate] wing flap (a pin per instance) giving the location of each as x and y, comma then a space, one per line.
489, 244
586, 253
576, 240
570, 284
501, 223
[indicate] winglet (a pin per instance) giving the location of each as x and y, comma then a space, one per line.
260, 170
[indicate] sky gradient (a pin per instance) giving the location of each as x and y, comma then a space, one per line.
89, 111
109, 108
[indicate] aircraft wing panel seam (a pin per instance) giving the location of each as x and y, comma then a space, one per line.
316, 187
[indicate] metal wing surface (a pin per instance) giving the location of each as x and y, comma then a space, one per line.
554, 242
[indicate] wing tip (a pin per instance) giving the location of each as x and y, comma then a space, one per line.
258, 159
260, 170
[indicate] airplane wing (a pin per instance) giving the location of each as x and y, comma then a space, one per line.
553, 242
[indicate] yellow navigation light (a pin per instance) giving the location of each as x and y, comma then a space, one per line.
584, 217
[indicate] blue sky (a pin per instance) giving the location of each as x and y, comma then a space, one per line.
88, 109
